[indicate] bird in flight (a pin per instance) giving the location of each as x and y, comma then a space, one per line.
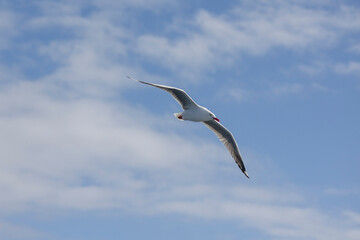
196, 113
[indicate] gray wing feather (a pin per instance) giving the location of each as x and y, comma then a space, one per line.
228, 140
180, 95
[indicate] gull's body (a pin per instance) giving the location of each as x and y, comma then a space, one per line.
196, 113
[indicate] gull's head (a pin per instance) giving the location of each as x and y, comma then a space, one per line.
207, 115
214, 117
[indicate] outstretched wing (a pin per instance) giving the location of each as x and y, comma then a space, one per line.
180, 95
228, 140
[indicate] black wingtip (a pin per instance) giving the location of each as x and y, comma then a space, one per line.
131, 78
246, 174
137, 80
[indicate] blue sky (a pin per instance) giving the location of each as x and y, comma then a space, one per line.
88, 154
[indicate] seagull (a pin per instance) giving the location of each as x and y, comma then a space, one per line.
196, 113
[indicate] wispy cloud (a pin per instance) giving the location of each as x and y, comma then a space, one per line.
84, 154
284, 221
8, 22
276, 91
18, 232
59, 149
342, 192
287, 89
67, 144
355, 48
252, 28
352, 67
313, 69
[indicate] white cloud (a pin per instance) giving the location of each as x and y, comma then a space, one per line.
355, 48
51, 144
321, 88
238, 94
8, 22
314, 68
153, 5
253, 28
14, 231
88, 155
279, 90
342, 192
353, 215
285, 221
274, 90
66, 145
191, 54
352, 67
287, 89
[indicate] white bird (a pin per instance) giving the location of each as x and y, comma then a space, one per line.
196, 113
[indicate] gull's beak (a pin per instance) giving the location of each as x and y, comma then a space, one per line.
216, 119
